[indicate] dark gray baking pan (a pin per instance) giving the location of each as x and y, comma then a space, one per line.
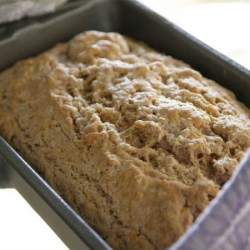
130, 18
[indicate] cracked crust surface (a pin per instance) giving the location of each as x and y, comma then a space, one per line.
137, 142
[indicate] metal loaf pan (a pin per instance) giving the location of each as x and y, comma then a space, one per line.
132, 19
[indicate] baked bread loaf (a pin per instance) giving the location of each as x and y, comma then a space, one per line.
138, 143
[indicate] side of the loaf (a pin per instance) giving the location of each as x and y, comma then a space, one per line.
137, 142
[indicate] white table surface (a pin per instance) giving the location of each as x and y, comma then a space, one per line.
223, 25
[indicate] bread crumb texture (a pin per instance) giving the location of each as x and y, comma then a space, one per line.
138, 143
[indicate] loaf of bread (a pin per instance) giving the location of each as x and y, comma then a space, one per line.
138, 143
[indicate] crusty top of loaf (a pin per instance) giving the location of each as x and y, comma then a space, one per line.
136, 141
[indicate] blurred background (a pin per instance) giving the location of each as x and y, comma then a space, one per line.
223, 25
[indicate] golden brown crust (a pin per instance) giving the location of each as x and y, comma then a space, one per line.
137, 142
